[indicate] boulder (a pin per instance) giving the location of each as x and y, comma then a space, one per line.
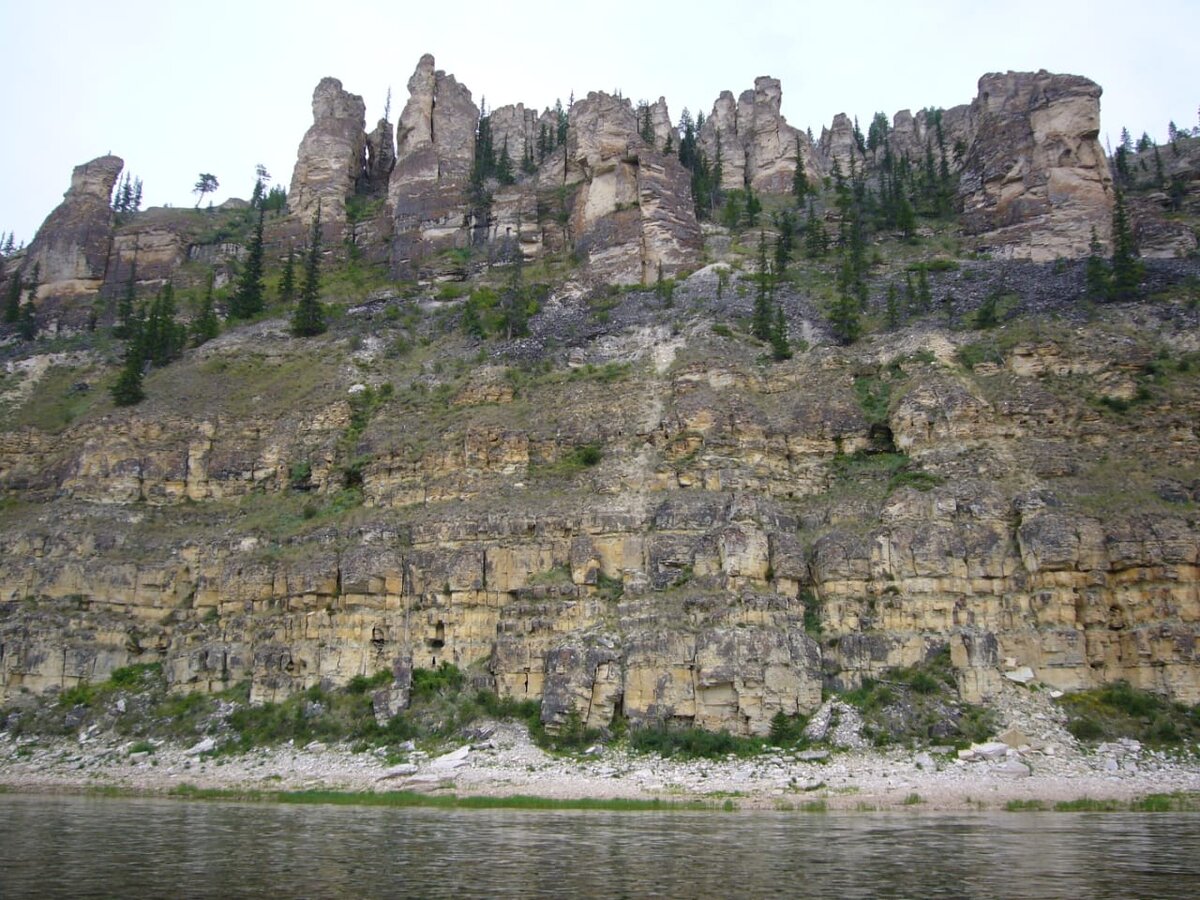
332, 154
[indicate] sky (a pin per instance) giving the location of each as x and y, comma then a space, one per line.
180, 88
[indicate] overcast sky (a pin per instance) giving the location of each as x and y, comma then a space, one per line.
179, 88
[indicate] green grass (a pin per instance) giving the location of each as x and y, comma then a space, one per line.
1119, 710
414, 799
1025, 806
693, 743
56, 402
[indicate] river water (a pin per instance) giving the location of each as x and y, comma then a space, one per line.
103, 847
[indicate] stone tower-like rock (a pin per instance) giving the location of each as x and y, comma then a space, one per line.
332, 155
1035, 180
71, 248
435, 152
757, 146
632, 210
381, 159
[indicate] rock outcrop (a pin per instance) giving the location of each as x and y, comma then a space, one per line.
381, 159
1035, 180
757, 147
332, 154
632, 209
430, 184
71, 248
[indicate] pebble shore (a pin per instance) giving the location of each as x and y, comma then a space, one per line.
1046, 764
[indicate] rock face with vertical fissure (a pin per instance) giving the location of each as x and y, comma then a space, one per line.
332, 155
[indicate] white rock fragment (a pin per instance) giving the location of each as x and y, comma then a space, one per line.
453, 760
208, 745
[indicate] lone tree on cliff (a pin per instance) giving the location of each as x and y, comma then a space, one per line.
309, 317
206, 184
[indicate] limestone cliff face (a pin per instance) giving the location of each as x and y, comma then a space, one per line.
734, 551
71, 248
632, 209
332, 154
1035, 180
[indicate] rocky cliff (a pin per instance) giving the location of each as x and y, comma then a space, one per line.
1035, 180
631, 511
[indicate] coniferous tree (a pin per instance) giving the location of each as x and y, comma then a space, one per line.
844, 316
753, 207
127, 389
785, 227
504, 165
12, 298
892, 311
309, 317
760, 324
514, 302
125, 306
1096, 277
816, 240
1126, 268
137, 195
1160, 176
780, 348
27, 321
924, 296
287, 281
248, 299
206, 325
800, 187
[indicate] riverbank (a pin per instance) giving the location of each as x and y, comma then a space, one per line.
504, 762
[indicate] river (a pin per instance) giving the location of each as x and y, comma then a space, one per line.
53, 846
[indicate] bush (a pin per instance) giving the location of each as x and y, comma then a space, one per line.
360, 684
692, 743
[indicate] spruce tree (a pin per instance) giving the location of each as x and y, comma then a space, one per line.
760, 325
12, 298
206, 325
1126, 269
844, 317
800, 186
924, 296
785, 227
248, 300
780, 348
893, 306
287, 281
308, 319
753, 207
127, 389
27, 322
1096, 278
125, 313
